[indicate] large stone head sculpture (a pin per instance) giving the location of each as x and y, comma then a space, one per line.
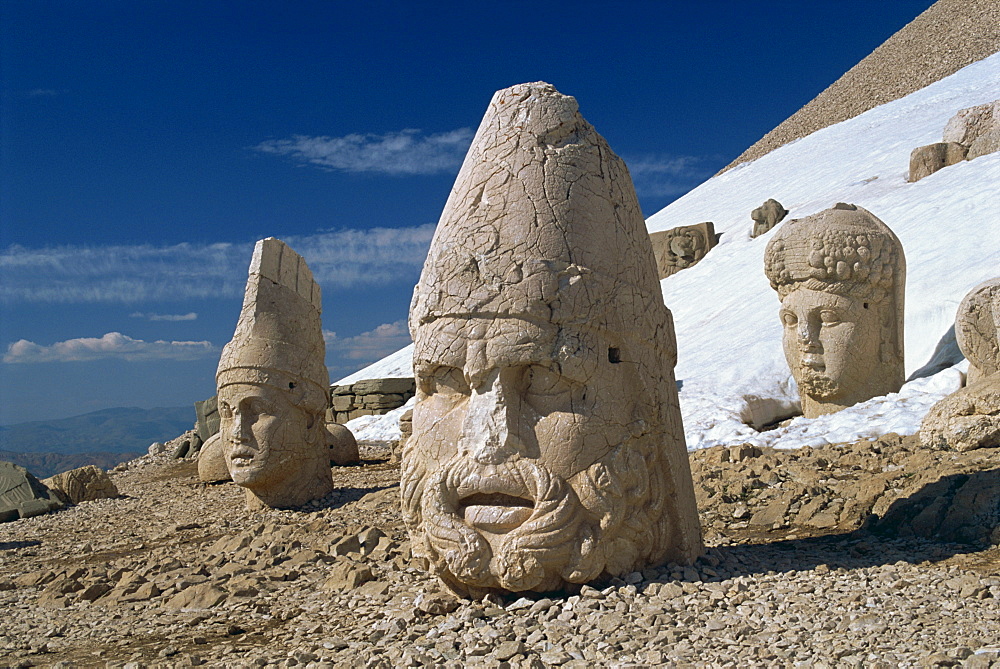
547, 445
976, 329
273, 383
841, 276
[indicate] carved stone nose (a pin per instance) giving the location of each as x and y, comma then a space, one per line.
487, 434
237, 431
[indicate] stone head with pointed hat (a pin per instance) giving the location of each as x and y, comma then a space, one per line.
840, 275
272, 384
547, 446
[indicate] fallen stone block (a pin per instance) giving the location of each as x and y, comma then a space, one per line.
926, 160
84, 484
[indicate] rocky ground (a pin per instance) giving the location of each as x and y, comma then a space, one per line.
843, 556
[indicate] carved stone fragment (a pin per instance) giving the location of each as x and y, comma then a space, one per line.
343, 445
680, 248
967, 419
968, 124
766, 216
926, 160
977, 323
841, 277
22, 495
212, 465
547, 446
272, 385
988, 142
83, 484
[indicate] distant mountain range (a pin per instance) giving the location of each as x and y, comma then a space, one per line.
103, 438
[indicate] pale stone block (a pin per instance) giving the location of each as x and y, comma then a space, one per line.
926, 160
968, 124
83, 484
988, 142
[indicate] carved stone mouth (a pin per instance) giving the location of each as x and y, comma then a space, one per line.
495, 512
814, 361
242, 457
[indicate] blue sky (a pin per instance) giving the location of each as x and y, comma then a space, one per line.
145, 145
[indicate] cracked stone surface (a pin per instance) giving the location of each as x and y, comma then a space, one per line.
547, 446
682, 247
272, 384
840, 275
977, 324
971, 123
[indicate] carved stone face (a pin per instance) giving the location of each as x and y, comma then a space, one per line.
547, 445
831, 342
264, 435
513, 431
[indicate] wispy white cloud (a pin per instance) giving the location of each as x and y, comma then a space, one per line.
41, 93
667, 175
190, 316
111, 345
368, 346
404, 152
135, 274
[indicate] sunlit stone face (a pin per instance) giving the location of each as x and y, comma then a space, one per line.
264, 435
830, 342
841, 277
518, 436
547, 446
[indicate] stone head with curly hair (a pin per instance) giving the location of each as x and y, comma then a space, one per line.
841, 277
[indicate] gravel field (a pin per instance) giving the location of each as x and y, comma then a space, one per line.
175, 573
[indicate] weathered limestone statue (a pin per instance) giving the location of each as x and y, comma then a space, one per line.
841, 277
547, 446
970, 417
766, 216
680, 248
976, 330
273, 384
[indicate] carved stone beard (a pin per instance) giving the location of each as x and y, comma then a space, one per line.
817, 384
578, 529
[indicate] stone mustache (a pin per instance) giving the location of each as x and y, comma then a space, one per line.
547, 445
841, 276
273, 383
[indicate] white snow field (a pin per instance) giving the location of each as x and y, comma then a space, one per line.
731, 368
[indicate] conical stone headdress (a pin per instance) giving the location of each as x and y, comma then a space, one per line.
543, 225
279, 338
